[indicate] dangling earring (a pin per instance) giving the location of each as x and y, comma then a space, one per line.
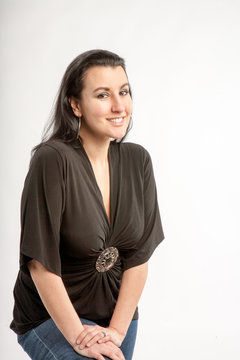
79, 125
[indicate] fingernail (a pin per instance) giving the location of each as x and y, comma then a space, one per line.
81, 347
78, 342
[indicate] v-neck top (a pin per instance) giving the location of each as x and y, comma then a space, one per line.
64, 225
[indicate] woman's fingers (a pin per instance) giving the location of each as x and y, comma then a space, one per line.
91, 338
95, 334
98, 351
112, 335
105, 339
96, 339
99, 357
112, 351
87, 329
90, 335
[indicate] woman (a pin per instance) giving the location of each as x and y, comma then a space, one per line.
89, 222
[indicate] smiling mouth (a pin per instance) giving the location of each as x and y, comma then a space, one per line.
117, 120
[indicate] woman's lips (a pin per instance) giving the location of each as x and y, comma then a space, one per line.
117, 121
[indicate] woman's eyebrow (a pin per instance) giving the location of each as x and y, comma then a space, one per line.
107, 88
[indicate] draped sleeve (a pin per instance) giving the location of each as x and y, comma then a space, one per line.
42, 206
153, 231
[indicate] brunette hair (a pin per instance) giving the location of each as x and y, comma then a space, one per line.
63, 123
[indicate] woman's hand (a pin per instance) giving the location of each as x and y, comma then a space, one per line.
93, 334
97, 351
113, 335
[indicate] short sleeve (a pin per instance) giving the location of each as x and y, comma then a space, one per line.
153, 231
42, 206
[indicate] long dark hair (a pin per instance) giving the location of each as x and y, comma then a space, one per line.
63, 123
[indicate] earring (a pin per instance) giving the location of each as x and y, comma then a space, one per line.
79, 125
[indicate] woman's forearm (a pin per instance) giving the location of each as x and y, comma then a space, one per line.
56, 300
133, 282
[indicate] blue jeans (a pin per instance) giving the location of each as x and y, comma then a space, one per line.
46, 342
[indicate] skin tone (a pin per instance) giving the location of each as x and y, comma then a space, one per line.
105, 96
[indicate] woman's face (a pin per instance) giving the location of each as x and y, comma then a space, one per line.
105, 104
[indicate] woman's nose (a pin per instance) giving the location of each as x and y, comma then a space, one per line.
117, 104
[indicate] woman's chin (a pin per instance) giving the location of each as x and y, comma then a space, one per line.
118, 134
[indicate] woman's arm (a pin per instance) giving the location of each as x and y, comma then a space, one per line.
58, 304
56, 300
133, 282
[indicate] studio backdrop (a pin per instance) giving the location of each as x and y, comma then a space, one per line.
183, 65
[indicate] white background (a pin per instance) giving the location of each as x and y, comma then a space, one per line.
183, 64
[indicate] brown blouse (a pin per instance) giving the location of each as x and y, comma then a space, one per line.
64, 225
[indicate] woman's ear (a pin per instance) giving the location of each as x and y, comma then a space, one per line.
75, 106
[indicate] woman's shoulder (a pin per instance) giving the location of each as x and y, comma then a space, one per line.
136, 150
50, 152
53, 147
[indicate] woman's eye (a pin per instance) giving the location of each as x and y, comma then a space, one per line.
105, 95
102, 95
124, 92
